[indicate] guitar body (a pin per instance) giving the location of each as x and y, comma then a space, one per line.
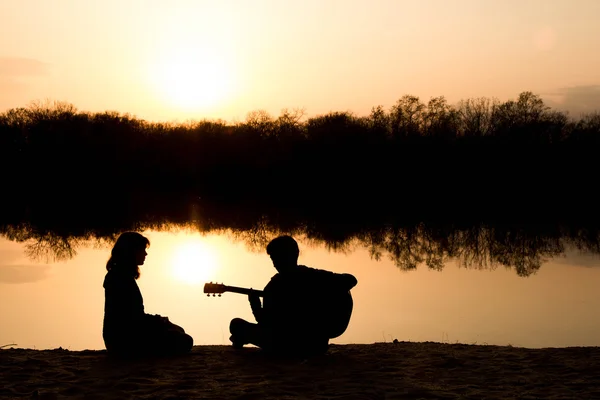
334, 309
339, 312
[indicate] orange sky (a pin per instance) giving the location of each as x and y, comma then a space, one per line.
182, 59
196, 59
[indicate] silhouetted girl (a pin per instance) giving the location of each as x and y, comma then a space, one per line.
127, 329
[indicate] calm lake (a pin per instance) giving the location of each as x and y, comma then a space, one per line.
49, 303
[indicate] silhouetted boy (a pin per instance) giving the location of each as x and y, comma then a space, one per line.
302, 307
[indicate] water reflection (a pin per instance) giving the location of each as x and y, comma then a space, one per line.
523, 247
558, 306
194, 261
22, 273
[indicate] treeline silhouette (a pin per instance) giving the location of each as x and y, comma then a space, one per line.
478, 159
484, 182
54, 231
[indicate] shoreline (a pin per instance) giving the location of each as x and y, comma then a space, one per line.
350, 371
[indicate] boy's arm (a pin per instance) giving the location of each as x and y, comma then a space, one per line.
256, 307
348, 281
343, 282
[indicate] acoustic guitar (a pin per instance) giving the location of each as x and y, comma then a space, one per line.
337, 309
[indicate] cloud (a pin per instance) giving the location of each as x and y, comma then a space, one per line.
16, 78
11, 86
576, 100
23, 273
20, 67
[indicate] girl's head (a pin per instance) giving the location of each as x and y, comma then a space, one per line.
128, 253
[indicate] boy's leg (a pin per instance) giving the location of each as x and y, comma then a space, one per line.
244, 332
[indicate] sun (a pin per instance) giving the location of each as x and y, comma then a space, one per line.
193, 262
192, 79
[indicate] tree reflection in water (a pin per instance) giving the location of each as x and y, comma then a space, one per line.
523, 247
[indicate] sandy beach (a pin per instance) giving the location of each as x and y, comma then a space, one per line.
401, 370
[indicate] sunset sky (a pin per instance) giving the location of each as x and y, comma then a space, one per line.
182, 59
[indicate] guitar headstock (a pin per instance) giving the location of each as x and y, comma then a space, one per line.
214, 289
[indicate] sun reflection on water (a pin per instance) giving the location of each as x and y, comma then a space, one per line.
193, 262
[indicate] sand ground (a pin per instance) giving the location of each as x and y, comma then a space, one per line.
402, 370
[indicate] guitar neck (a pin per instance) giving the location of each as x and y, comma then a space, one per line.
241, 290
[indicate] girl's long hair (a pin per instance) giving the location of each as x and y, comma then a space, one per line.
123, 254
